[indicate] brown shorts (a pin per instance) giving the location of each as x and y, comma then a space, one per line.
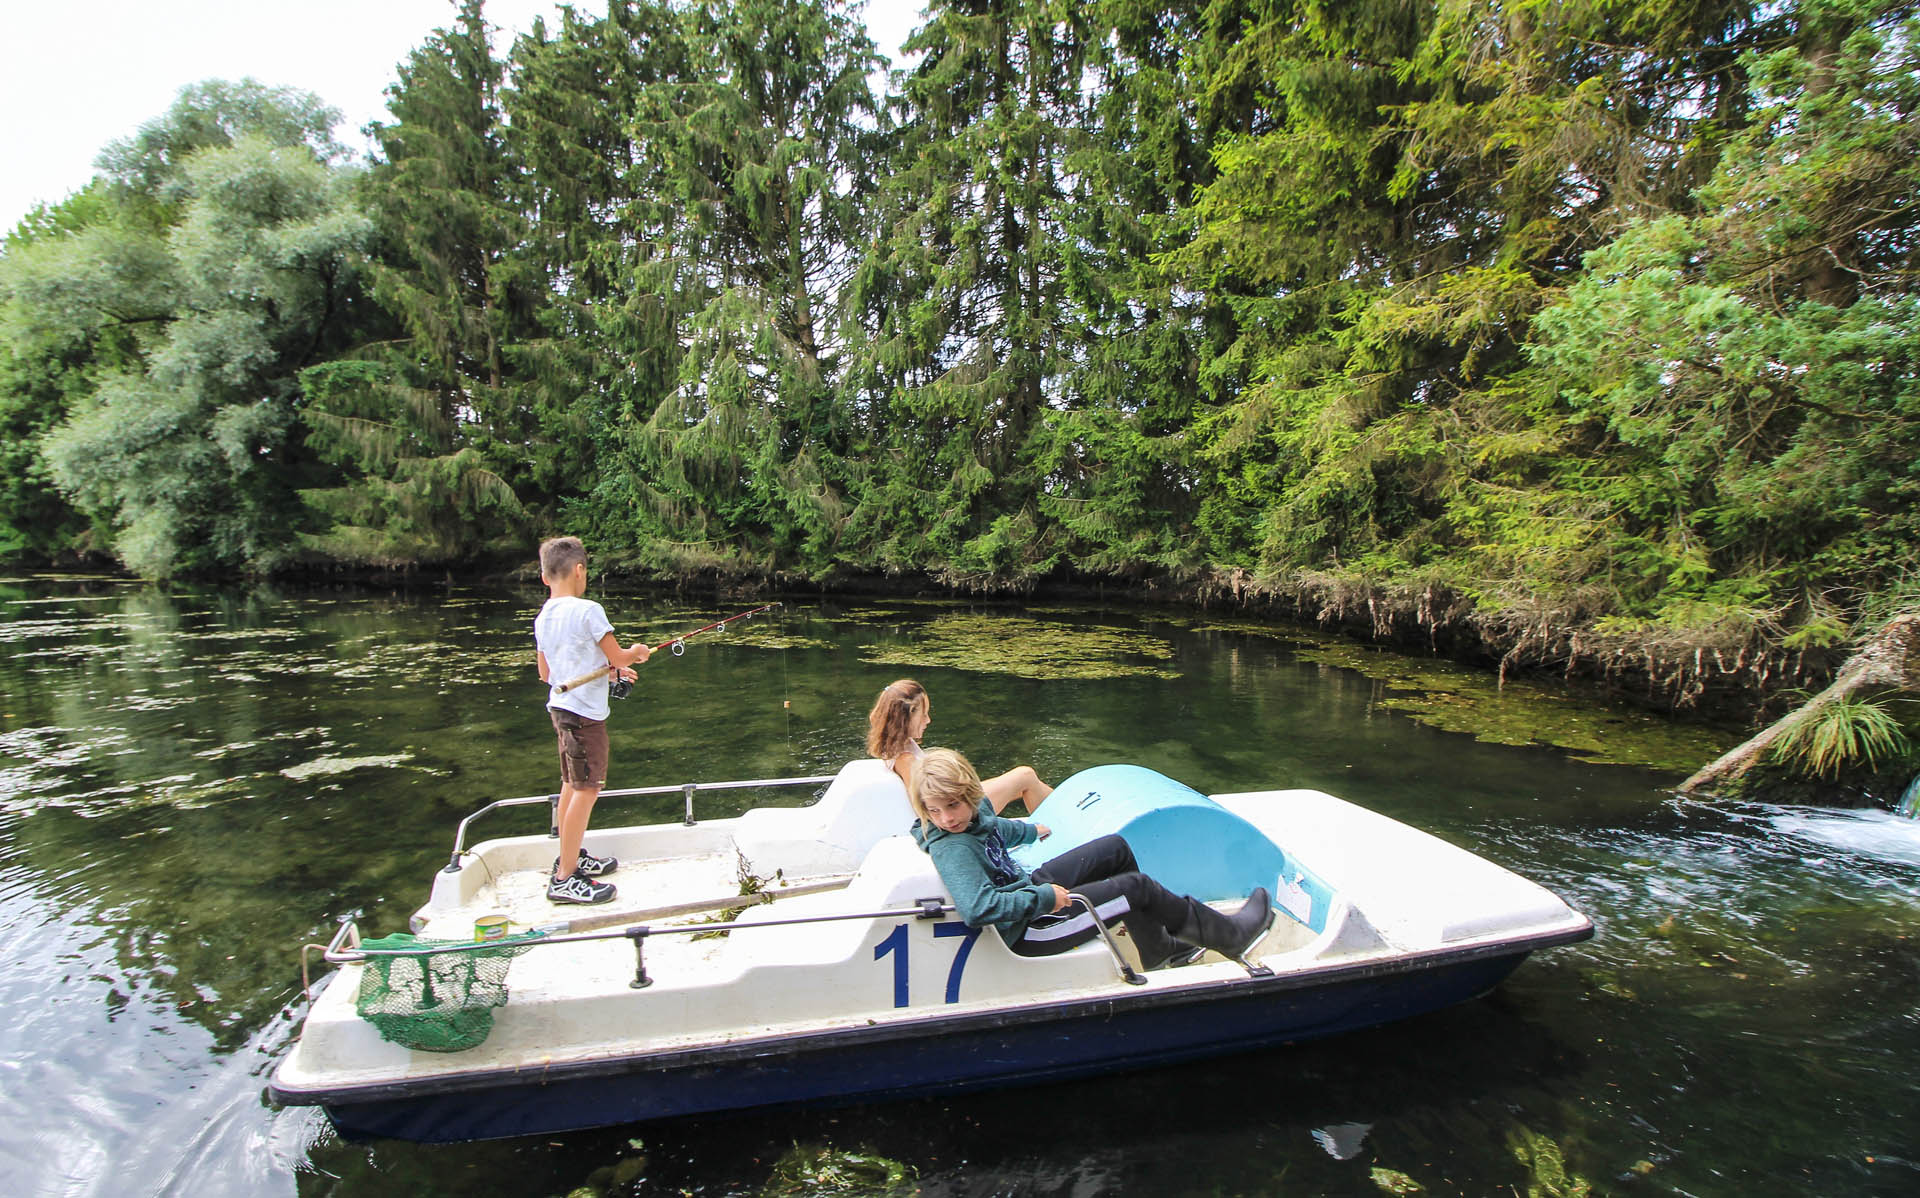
583, 748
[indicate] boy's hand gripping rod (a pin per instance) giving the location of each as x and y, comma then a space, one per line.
679, 644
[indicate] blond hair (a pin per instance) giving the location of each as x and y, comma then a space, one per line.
890, 721
942, 774
558, 556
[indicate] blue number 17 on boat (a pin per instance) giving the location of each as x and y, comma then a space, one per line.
896, 944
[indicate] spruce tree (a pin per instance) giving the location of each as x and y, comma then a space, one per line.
765, 150
964, 296
609, 349
433, 426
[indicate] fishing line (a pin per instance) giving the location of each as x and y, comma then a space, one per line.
786, 679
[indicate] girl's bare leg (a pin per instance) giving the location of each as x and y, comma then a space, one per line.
1018, 783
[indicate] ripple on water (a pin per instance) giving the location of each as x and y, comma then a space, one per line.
96, 1127
325, 767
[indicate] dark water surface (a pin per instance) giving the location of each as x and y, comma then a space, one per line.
193, 784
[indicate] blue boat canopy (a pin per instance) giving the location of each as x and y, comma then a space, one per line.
1190, 843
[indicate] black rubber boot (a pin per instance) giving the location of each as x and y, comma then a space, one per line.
1182, 954
1228, 935
1157, 950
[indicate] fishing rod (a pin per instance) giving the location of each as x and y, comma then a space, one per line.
679, 644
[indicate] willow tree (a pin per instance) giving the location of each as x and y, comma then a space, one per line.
228, 260
47, 369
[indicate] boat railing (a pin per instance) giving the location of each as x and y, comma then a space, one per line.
686, 789
338, 952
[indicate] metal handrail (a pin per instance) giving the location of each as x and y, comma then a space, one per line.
335, 955
553, 802
1127, 972
928, 908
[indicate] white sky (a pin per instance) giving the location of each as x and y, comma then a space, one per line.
73, 79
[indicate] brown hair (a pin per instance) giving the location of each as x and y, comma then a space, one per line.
943, 774
891, 718
558, 555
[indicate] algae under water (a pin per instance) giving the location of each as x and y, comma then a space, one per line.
1028, 647
198, 782
1458, 698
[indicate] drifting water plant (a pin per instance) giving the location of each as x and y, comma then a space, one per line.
1546, 1166
817, 1169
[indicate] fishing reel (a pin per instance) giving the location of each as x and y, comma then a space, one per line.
619, 688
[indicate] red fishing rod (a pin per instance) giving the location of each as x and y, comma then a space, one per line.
679, 644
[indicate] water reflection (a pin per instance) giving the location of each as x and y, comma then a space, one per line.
194, 783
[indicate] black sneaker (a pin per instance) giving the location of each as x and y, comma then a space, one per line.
597, 867
578, 888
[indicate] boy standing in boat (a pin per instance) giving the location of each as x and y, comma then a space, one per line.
572, 639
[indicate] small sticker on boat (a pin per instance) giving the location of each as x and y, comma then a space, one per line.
1296, 899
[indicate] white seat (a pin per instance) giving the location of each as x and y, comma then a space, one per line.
865, 803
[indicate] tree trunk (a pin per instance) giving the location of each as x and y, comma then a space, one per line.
1889, 661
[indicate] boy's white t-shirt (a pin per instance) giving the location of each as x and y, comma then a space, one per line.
568, 631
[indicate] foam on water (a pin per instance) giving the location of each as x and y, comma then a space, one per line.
1868, 833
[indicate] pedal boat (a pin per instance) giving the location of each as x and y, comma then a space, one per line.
848, 977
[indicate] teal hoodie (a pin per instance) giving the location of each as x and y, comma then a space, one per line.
986, 891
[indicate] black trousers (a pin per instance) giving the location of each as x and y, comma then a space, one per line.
1105, 872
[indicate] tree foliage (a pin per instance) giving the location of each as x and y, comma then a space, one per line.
430, 428
221, 263
1602, 310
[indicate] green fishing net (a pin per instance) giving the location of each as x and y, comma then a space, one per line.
439, 1003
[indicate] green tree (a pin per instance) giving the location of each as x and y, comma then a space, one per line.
1752, 365
46, 369
766, 151
610, 350
1401, 190
433, 428
232, 266
965, 292
1120, 479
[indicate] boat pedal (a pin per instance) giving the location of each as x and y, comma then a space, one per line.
1253, 969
